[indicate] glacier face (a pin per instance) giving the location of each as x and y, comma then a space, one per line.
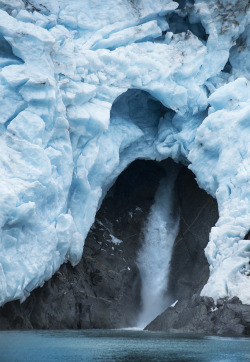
78, 83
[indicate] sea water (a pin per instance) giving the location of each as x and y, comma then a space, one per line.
119, 345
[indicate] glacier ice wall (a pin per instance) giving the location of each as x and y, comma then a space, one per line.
63, 64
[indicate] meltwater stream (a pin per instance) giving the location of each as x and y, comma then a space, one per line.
153, 261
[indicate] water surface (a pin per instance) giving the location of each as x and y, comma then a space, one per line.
119, 345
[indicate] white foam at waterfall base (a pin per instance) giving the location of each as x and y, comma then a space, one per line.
154, 258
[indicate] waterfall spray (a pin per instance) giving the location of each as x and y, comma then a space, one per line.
153, 260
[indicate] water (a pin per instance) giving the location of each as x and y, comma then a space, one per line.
119, 345
153, 261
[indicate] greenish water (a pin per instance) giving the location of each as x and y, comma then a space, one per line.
119, 345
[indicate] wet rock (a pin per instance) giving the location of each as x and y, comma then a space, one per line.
199, 213
229, 318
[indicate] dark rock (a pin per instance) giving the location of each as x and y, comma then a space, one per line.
247, 237
220, 302
231, 318
199, 213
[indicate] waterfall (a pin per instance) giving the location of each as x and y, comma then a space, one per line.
159, 234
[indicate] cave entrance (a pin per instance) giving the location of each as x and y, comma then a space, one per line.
105, 289
115, 240
118, 274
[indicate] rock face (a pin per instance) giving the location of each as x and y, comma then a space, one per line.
199, 213
200, 315
103, 290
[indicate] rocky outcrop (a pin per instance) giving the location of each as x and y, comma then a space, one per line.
189, 269
200, 315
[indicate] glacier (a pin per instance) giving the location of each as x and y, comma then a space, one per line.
78, 83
